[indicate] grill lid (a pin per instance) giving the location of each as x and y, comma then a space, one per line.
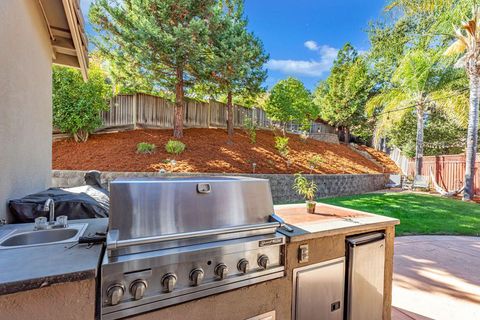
152, 207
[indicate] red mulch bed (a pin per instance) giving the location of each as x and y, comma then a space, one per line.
207, 150
383, 158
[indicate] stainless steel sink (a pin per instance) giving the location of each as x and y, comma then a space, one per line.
20, 238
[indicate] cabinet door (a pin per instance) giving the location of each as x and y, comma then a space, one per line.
319, 291
365, 281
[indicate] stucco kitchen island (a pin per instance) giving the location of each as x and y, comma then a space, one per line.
324, 234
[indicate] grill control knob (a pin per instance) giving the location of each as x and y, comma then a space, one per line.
115, 294
196, 276
168, 282
137, 289
263, 261
243, 265
221, 271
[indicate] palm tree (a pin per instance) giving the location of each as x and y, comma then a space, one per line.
468, 42
421, 81
415, 6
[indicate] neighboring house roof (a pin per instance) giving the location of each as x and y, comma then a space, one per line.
66, 29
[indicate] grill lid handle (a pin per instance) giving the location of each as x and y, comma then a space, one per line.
113, 241
274, 217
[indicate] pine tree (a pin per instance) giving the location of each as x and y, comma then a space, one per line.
237, 57
164, 41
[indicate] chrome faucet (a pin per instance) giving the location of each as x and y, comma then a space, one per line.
50, 207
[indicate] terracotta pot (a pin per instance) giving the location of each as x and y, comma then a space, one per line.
311, 206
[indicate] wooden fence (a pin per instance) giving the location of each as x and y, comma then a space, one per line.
448, 170
142, 110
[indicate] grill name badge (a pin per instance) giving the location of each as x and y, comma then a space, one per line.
269, 242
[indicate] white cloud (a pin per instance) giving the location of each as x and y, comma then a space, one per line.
311, 45
311, 68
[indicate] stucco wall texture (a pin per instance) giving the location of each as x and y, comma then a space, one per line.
65, 301
329, 185
25, 101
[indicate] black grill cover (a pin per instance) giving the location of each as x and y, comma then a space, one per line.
83, 202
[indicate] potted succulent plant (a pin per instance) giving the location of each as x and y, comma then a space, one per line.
307, 189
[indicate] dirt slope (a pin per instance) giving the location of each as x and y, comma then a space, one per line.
382, 158
207, 151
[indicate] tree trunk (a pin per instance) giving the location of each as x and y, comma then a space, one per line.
179, 103
471, 137
346, 135
81, 136
230, 128
284, 128
419, 142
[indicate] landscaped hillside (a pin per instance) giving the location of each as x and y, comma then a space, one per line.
207, 150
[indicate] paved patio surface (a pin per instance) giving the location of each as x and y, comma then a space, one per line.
436, 277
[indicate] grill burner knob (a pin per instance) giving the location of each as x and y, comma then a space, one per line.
115, 294
263, 261
221, 270
196, 276
243, 265
168, 282
137, 289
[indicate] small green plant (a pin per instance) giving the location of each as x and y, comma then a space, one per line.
250, 128
305, 188
281, 144
304, 136
146, 148
174, 147
315, 161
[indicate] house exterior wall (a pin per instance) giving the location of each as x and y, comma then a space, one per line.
25, 101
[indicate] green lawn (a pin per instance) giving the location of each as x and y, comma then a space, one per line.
418, 213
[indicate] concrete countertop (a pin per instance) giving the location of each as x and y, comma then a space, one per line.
39, 266
327, 220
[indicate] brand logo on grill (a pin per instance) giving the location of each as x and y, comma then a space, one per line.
269, 242
204, 188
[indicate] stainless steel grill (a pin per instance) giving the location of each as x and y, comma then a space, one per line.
172, 240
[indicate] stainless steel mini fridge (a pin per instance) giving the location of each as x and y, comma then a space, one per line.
365, 276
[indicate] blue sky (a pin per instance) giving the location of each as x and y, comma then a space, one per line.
303, 36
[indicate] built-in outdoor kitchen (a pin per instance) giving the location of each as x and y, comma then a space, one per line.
198, 248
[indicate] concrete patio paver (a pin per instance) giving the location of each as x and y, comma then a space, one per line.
436, 277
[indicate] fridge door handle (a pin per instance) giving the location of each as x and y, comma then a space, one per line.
365, 239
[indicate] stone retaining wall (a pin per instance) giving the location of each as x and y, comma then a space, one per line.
329, 185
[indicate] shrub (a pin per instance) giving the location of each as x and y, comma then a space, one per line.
76, 103
174, 147
251, 130
304, 136
315, 161
146, 148
305, 188
281, 144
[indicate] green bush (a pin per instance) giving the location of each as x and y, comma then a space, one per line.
76, 103
251, 130
281, 144
146, 148
174, 147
